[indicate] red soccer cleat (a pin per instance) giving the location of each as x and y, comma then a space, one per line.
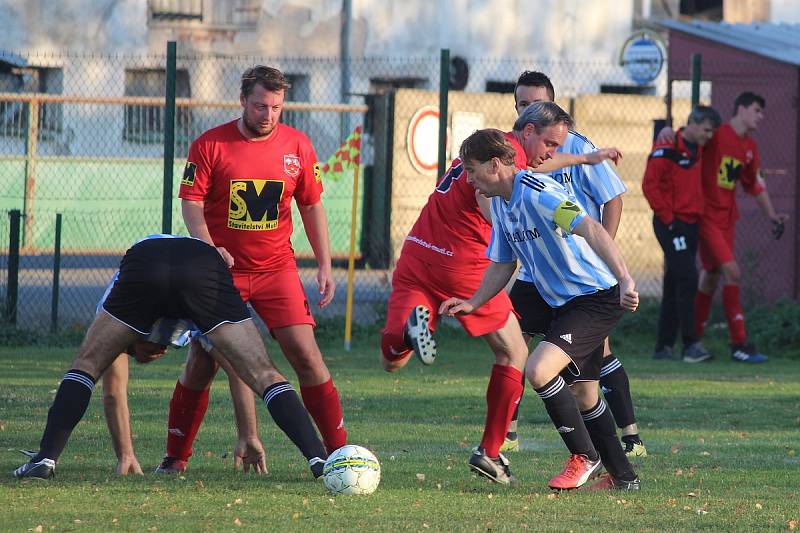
578, 470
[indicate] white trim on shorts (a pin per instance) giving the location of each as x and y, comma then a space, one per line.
571, 361
226, 322
125, 323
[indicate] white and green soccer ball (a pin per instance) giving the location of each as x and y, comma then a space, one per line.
352, 470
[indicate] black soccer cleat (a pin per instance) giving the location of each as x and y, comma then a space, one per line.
317, 467
495, 469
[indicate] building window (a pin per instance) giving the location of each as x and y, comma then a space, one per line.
298, 92
145, 123
176, 10
14, 115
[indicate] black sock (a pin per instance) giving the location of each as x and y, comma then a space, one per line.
68, 408
632, 439
601, 428
289, 414
617, 391
563, 411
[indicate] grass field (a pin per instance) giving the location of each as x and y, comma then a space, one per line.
722, 438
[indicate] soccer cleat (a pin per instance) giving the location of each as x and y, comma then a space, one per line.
509, 444
696, 353
317, 466
43, 469
171, 465
418, 335
664, 352
635, 449
746, 353
495, 469
609, 482
577, 471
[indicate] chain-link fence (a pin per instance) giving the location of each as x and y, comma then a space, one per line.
84, 137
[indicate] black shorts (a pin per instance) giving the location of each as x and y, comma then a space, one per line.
178, 278
579, 327
535, 315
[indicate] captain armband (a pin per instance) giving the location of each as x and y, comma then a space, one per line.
565, 214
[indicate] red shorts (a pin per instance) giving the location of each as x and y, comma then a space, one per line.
277, 297
416, 282
715, 245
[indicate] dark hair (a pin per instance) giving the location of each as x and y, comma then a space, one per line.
704, 113
532, 78
542, 115
269, 78
746, 99
483, 145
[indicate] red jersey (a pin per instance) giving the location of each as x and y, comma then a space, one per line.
247, 187
451, 230
672, 181
728, 158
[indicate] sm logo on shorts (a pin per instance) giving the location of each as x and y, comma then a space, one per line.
728, 172
254, 204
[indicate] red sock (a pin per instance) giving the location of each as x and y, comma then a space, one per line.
702, 310
393, 347
502, 396
734, 313
186, 411
324, 406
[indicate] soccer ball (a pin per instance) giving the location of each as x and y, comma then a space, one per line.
352, 470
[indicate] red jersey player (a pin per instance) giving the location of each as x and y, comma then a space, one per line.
731, 157
237, 189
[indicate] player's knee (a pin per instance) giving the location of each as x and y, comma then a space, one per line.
731, 273
537, 373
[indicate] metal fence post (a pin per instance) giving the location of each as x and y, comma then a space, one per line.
13, 266
444, 87
169, 139
56, 277
696, 74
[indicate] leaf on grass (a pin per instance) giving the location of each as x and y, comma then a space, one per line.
238, 501
705, 453
679, 471
701, 440
199, 485
295, 515
420, 477
759, 506
672, 501
490, 496
692, 494
237, 522
39, 528
675, 448
702, 512
77, 520
426, 526
551, 496
791, 523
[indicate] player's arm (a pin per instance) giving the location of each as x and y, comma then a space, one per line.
765, 203
115, 405
315, 223
495, 278
561, 159
195, 220
612, 214
603, 245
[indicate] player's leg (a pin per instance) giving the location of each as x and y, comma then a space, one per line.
408, 293
241, 345
534, 320
187, 408
667, 319
105, 339
616, 389
279, 299
714, 251
600, 424
502, 397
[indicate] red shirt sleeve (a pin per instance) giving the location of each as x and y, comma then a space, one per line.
196, 180
751, 181
656, 186
309, 183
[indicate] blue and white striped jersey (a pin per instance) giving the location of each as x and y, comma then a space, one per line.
535, 226
592, 185
165, 331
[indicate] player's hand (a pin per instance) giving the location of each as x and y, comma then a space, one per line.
249, 453
327, 287
128, 464
628, 297
666, 136
455, 306
226, 256
779, 224
600, 155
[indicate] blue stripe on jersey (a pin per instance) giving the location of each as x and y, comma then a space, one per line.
592, 185
564, 265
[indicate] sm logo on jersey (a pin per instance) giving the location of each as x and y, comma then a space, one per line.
729, 170
254, 204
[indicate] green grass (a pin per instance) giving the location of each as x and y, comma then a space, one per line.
722, 439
